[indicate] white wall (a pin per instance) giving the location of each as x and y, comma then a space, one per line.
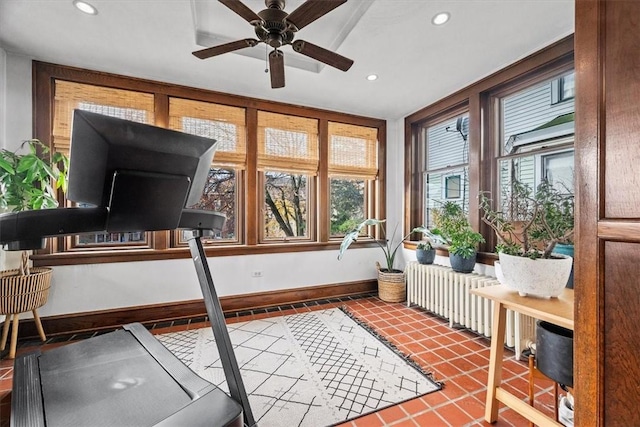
106, 286
18, 112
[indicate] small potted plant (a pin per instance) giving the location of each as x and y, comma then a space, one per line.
463, 249
28, 180
391, 284
461, 240
425, 253
528, 227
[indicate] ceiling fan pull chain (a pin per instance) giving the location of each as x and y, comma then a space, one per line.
266, 58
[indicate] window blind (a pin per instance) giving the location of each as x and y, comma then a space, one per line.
287, 143
353, 151
225, 124
125, 104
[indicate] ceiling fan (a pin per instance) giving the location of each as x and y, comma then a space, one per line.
277, 28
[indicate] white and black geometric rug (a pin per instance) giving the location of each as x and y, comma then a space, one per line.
312, 369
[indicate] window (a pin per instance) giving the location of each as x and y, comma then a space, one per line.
288, 162
227, 126
563, 88
515, 124
445, 163
135, 106
353, 168
282, 174
537, 137
452, 187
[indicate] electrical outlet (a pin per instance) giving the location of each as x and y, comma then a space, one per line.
256, 274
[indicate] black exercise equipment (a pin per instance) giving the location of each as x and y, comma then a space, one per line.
134, 177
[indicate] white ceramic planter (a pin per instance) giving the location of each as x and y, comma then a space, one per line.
540, 277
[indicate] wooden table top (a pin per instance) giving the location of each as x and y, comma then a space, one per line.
558, 311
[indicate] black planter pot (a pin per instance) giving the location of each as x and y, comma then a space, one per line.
462, 265
425, 256
554, 352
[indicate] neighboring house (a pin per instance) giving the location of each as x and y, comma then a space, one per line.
537, 133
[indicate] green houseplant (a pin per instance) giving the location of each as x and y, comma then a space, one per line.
29, 179
461, 240
528, 226
425, 253
391, 286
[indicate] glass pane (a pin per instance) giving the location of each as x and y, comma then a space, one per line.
568, 88
134, 238
453, 187
219, 195
532, 170
558, 170
285, 210
532, 117
447, 143
347, 205
437, 186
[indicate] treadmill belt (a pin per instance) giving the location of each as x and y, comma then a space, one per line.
113, 381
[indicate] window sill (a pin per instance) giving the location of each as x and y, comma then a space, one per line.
487, 258
130, 255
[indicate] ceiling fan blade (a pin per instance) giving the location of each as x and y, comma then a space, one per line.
238, 7
311, 10
276, 68
224, 48
323, 55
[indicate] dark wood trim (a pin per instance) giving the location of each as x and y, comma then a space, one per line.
621, 231
589, 322
475, 165
323, 224
381, 193
157, 313
126, 255
251, 193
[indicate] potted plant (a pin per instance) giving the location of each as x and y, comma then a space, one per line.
425, 253
391, 284
528, 227
461, 240
28, 180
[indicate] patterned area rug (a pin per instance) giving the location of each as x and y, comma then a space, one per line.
311, 369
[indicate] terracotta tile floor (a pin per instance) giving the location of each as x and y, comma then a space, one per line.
459, 358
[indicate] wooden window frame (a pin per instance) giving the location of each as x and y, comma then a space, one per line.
480, 99
161, 242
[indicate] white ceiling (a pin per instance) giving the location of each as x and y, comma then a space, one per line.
417, 62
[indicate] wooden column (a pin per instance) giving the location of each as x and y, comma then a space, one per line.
607, 258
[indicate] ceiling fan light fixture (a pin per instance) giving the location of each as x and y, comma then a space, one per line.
372, 77
85, 7
441, 18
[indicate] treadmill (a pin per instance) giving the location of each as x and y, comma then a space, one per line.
134, 177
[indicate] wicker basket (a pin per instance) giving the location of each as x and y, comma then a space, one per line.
391, 286
19, 294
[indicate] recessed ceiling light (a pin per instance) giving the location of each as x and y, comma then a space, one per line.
372, 77
440, 18
85, 7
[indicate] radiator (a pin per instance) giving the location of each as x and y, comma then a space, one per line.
444, 292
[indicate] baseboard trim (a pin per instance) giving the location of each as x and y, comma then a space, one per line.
89, 322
